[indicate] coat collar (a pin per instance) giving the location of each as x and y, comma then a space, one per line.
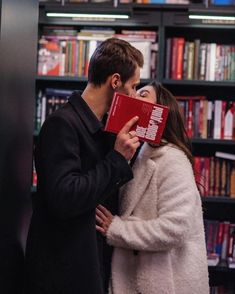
85, 113
148, 151
143, 170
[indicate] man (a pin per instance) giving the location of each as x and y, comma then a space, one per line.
79, 166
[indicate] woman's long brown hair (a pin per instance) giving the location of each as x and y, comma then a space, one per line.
174, 131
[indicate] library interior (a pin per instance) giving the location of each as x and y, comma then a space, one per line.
188, 46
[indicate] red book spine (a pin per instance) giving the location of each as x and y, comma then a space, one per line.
219, 239
190, 118
207, 176
179, 58
201, 118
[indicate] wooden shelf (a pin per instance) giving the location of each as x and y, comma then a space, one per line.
72, 79
199, 83
61, 79
218, 199
212, 141
221, 269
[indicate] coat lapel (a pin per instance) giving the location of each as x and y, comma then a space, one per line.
131, 194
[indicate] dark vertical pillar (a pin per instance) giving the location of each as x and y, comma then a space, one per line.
18, 47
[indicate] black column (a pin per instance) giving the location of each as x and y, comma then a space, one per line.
18, 52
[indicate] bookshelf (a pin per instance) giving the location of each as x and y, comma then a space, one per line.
169, 21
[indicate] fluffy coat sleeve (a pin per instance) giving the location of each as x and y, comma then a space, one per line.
177, 195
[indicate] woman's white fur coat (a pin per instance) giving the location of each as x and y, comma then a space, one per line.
159, 238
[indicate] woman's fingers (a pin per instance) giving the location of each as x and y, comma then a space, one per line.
100, 229
100, 214
104, 210
103, 219
99, 219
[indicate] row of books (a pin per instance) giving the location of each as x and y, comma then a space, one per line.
69, 54
196, 60
208, 118
126, 1
203, 118
215, 176
160, 1
47, 102
213, 2
220, 242
222, 2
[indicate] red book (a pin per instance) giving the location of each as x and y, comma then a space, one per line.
49, 58
207, 175
152, 117
179, 58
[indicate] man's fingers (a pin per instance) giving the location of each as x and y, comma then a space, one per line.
132, 134
135, 140
136, 144
129, 125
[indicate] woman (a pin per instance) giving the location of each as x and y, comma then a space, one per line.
159, 236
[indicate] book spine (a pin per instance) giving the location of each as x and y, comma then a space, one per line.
190, 68
212, 177
217, 119
168, 58
224, 248
224, 104
174, 58
202, 61
219, 240
223, 178
179, 58
196, 58
232, 182
204, 119
212, 57
190, 118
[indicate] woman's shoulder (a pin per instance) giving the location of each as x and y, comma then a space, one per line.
166, 150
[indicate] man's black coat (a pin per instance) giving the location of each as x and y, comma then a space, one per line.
77, 169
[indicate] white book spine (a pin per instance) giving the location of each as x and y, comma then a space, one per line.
145, 48
217, 119
43, 115
212, 62
229, 120
92, 47
225, 155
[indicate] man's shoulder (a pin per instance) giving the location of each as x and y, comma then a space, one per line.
69, 108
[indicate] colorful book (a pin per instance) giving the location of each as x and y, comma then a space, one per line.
152, 117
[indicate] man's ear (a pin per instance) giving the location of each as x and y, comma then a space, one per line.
115, 81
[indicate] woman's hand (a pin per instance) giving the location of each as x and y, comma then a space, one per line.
103, 218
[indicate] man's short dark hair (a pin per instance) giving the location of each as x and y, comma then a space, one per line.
114, 56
